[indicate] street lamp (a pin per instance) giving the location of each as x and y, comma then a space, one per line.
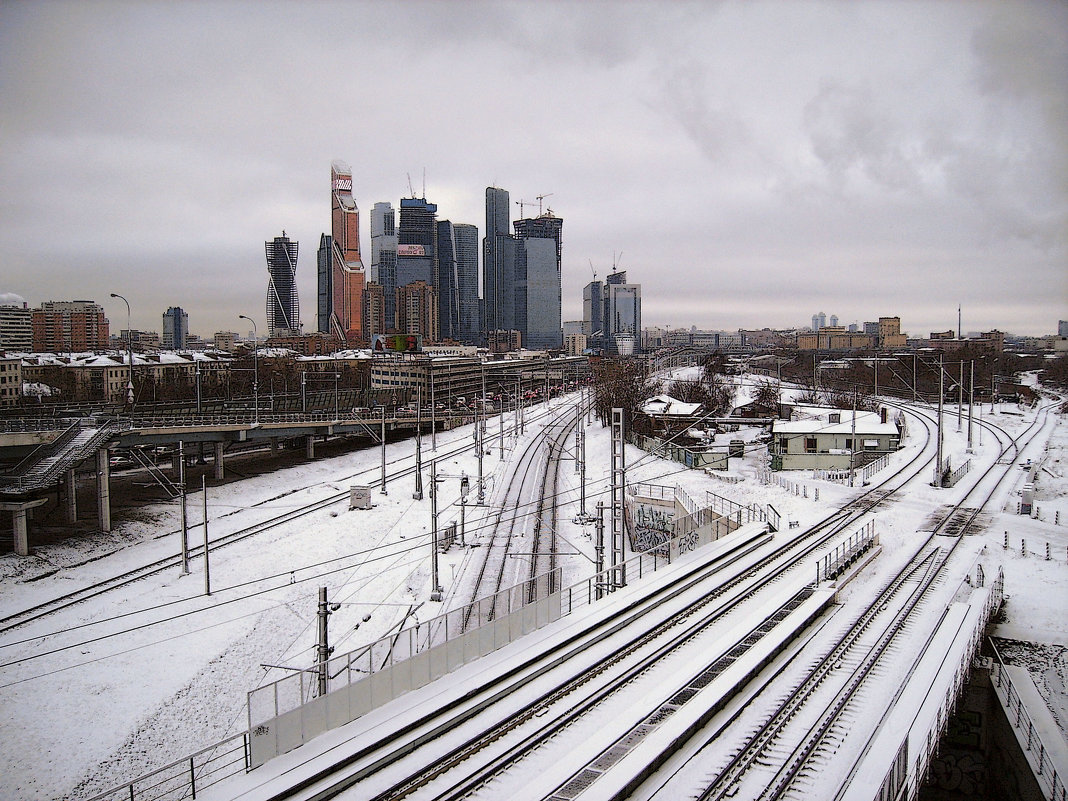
129, 348
255, 366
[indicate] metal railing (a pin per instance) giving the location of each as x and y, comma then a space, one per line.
1051, 781
185, 777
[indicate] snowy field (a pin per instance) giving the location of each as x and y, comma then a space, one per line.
117, 686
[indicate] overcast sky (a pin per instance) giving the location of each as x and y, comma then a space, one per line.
754, 163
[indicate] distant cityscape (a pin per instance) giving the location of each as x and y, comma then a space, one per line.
420, 292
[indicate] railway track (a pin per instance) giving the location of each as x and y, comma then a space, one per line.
789, 559
402, 468
747, 774
531, 487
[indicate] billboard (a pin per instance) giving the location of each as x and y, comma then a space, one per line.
397, 343
411, 250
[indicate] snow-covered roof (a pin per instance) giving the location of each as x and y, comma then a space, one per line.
824, 413
868, 425
665, 405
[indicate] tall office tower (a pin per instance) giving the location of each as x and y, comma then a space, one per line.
498, 263
819, 321
65, 326
417, 243
374, 311
283, 307
447, 283
624, 318
175, 328
324, 283
466, 238
417, 310
16, 328
834, 321
347, 274
537, 271
384, 256
593, 312
1062, 328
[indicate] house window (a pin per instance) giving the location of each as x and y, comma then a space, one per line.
810, 444
849, 443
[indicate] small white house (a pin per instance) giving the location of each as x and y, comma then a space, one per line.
828, 439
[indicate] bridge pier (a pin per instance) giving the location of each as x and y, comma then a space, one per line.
70, 497
20, 516
220, 471
274, 446
103, 490
309, 446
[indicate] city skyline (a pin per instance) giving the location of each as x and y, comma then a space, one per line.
867, 158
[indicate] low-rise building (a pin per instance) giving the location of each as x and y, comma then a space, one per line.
10, 381
831, 440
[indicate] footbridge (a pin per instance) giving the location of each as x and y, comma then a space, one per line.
57, 447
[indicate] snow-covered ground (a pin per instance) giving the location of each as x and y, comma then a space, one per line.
119, 685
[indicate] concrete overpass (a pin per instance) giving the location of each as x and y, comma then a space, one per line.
57, 446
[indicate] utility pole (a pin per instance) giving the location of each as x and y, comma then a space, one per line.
913, 377
207, 567
971, 402
960, 395
435, 592
418, 494
578, 438
582, 466
433, 409
323, 649
480, 413
502, 429
598, 550
463, 508
383, 438
619, 570
185, 526
853, 437
941, 392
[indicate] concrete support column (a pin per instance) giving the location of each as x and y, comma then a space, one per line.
274, 446
220, 472
22, 538
20, 516
103, 490
70, 497
309, 446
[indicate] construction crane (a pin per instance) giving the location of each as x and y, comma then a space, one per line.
521, 204
540, 199
592, 270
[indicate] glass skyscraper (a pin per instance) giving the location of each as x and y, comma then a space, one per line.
417, 242
283, 307
448, 285
384, 257
466, 238
347, 274
537, 280
498, 263
175, 328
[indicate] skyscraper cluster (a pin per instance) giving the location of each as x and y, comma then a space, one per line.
423, 274
612, 314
